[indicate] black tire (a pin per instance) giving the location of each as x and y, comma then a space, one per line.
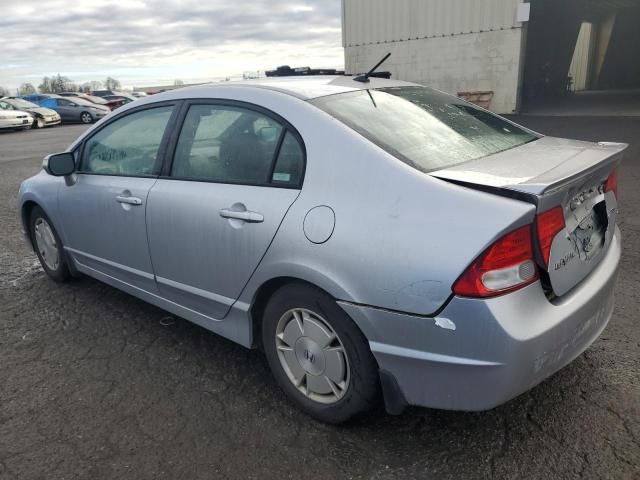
86, 118
61, 273
38, 122
362, 392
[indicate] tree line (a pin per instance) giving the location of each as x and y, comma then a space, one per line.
59, 83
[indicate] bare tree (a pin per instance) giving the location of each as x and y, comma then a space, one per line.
61, 84
45, 86
26, 89
112, 84
55, 84
88, 87
4, 92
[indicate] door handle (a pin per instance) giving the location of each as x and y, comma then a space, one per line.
246, 215
128, 200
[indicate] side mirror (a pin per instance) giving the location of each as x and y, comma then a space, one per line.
59, 164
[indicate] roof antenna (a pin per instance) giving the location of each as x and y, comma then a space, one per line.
365, 78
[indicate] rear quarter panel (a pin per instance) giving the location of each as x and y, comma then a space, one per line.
401, 238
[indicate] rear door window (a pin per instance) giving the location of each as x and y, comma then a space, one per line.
229, 144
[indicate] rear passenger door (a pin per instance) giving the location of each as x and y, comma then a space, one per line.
235, 172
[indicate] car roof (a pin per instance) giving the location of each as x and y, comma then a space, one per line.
305, 88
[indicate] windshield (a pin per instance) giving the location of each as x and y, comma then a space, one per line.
20, 103
424, 128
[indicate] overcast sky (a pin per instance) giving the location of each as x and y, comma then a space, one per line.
154, 42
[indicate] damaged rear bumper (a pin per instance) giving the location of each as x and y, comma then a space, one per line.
480, 353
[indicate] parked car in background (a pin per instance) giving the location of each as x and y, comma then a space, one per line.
369, 235
102, 93
14, 119
86, 96
121, 96
109, 103
138, 94
42, 117
75, 109
38, 97
113, 104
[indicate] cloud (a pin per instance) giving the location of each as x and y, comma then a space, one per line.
156, 41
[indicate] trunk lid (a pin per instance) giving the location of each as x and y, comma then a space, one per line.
552, 172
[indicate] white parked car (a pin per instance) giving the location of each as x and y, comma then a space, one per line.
15, 119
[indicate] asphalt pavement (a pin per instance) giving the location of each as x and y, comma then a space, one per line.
97, 384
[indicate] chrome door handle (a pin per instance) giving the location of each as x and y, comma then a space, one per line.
128, 200
246, 215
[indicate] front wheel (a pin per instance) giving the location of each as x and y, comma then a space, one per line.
85, 117
38, 123
48, 246
317, 354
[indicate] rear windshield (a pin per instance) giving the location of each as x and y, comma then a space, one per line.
424, 128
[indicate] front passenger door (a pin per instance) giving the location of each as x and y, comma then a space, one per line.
104, 207
235, 173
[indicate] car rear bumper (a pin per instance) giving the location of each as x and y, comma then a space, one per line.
479, 353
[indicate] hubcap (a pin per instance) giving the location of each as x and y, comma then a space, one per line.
312, 355
46, 243
86, 118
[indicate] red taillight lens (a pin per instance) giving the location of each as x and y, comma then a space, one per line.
549, 223
612, 183
505, 266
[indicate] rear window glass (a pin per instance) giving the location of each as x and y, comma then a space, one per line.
424, 128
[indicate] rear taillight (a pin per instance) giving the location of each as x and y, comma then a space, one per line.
612, 183
548, 223
505, 266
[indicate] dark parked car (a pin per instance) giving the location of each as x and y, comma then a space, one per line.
75, 109
102, 93
42, 117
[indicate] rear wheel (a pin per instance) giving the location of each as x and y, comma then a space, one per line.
85, 117
48, 246
317, 354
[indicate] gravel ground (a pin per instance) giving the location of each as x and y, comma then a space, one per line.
97, 384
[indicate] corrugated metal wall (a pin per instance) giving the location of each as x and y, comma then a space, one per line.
376, 21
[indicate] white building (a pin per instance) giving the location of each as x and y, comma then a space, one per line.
509, 51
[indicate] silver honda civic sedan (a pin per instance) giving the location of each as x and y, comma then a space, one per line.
378, 239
